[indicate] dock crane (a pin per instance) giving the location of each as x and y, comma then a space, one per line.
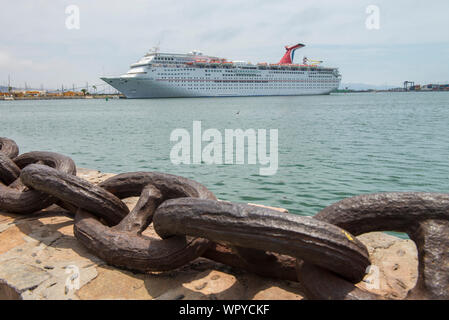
408, 85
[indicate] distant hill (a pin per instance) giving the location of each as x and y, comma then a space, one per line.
364, 86
5, 88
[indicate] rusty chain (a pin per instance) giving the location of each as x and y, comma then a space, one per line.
423, 216
322, 252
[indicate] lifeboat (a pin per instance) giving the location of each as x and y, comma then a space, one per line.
227, 64
201, 62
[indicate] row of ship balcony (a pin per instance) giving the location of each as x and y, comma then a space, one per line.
238, 65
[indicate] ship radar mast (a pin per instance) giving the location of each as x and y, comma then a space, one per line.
196, 53
155, 49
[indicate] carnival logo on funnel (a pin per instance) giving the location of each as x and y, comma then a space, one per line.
290, 54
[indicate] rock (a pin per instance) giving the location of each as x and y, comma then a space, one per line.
112, 283
21, 277
93, 176
10, 238
397, 260
41, 259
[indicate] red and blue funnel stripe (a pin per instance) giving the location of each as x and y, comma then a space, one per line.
290, 54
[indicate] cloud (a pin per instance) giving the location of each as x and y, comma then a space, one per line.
7, 61
115, 33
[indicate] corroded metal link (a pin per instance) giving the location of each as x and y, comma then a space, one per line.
75, 191
8, 147
138, 253
16, 198
321, 252
271, 264
123, 245
171, 186
394, 211
320, 284
258, 228
9, 171
423, 216
54, 160
23, 202
432, 242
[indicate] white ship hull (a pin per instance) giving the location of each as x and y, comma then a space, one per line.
165, 75
142, 88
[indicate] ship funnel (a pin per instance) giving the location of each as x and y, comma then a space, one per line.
290, 54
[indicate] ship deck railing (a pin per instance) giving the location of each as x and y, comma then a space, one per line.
255, 67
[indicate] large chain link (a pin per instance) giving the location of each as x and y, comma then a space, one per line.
423, 216
321, 252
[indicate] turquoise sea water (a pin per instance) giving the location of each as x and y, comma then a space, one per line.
330, 147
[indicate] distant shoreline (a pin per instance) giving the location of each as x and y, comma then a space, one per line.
388, 91
100, 96
120, 96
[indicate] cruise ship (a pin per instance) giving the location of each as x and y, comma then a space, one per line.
166, 75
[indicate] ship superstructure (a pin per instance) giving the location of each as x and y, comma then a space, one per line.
164, 75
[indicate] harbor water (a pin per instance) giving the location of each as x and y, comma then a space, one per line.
330, 147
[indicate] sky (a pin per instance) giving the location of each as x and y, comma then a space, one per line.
36, 47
